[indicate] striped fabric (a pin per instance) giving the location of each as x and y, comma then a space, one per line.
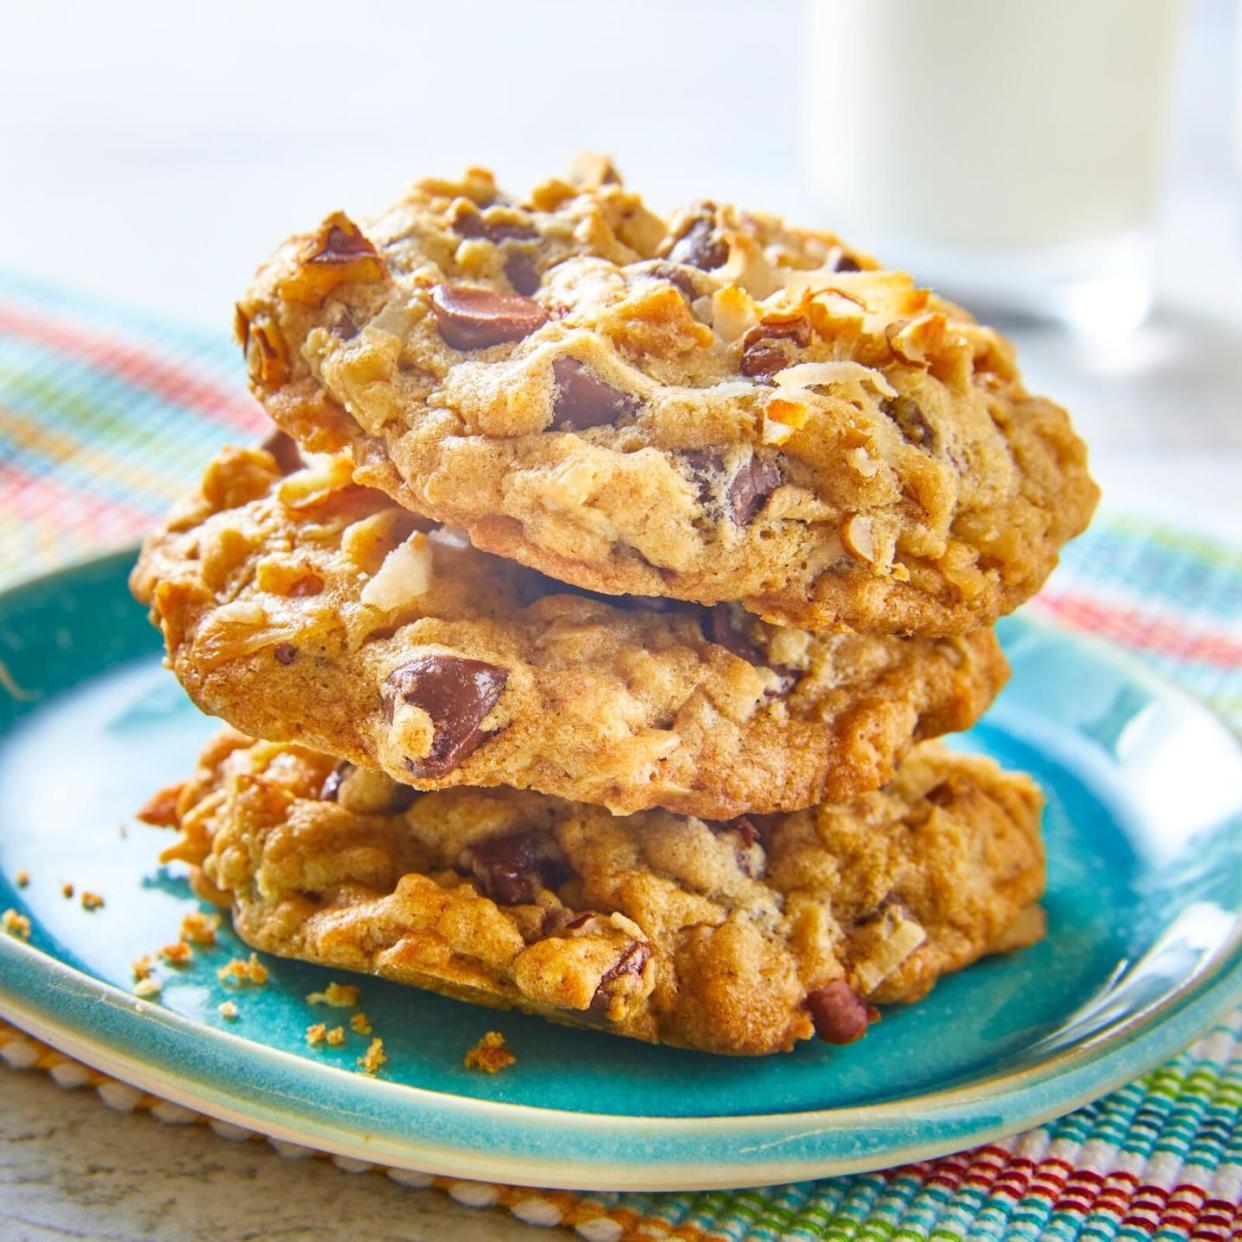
106, 416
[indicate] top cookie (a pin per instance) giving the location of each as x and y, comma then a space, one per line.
714, 408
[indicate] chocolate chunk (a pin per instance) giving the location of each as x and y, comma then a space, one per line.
940, 795
336, 778
846, 264
344, 329
343, 244
584, 400
631, 962
751, 486
285, 653
743, 825
471, 224
685, 279
510, 870
522, 272
838, 1012
769, 346
911, 421
705, 467
698, 244
723, 628
457, 694
474, 318
281, 447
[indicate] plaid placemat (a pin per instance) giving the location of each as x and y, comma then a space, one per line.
106, 416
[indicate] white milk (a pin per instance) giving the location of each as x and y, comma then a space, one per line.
991, 143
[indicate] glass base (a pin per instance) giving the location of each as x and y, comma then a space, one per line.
1098, 287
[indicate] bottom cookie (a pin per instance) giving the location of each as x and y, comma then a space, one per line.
738, 937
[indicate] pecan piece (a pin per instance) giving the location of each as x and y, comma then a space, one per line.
769, 346
457, 694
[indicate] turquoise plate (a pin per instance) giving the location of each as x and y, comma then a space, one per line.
1144, 829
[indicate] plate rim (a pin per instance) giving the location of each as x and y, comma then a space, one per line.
1065, 1080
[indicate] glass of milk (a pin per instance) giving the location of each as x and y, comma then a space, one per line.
1007, 152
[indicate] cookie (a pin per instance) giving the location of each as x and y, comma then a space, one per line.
305, 608
738, 937
712, 408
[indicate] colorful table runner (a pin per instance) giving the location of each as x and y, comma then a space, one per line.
106, 416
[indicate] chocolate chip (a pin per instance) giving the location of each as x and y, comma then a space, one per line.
751, 486
344, 329
336, 778
747, 830
281, 447
698, 244
838, 1012
940, 795
584, 400
510, 870
769, 346
457, 694
285, 653
474, 318
471, 224
705, 466
723, 627
522, 272
911, 421
631, 962
846, 264
343, 244
685, 279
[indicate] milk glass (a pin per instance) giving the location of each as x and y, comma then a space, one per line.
1006, 151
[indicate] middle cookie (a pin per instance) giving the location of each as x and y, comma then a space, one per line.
301, 607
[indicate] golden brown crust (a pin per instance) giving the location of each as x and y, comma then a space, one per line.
300, 607
718, 407
655, 926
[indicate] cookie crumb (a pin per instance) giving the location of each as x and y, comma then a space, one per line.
66, 890
22, 879
361, 1023
371, 1061
491, 1054
178, 953
228, 1010
338, 995
15, 924
243, 971
316, 1033
161, 810
336, 1036
91, 901
149, 985
200, 928
143, 966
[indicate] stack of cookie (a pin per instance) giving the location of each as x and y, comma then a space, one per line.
595, 600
